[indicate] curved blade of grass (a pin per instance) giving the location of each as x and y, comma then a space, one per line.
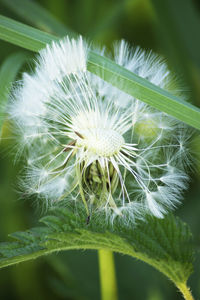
23, 35
33, 39
38, 16
8, 72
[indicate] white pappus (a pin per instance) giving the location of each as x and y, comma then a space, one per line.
84, 139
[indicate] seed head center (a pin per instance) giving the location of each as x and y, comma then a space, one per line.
93, 134
102, 142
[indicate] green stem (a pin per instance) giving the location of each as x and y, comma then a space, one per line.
107, 275
81, 189
185, 291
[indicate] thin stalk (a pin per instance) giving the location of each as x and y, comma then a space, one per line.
185, 291
107, 275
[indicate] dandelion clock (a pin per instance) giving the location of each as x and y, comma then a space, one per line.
85, 140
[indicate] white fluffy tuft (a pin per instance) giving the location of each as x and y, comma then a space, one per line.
64, 57
85, 139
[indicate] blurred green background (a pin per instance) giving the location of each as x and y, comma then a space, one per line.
169, 27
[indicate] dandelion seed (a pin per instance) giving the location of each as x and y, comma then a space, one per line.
86, 140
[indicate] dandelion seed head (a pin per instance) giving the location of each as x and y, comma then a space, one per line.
85, 140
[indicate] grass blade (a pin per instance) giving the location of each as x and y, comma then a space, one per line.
33, 39
23, 35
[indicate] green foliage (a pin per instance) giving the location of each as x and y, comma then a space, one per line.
23, 35
33, 39
183, 43
181, 39
162, 243
33, 13
8, 72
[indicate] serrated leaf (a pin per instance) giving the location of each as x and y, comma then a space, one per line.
33, 39
52, 222
162, 243
25, 237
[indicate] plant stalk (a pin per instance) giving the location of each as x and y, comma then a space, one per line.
185, 291
107, 275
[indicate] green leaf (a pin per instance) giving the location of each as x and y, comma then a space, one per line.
33, 39
23, 35
8, 72
163, 243
38, 16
